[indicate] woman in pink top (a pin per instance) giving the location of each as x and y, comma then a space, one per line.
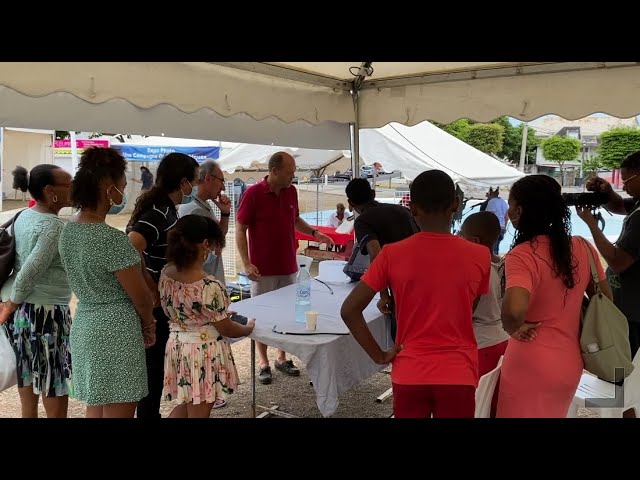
547, 274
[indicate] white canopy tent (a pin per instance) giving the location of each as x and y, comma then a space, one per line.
306, 104
413, 150
248, 155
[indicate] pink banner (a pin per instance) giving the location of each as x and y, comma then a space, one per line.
80, 144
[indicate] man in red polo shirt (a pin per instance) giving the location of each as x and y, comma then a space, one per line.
269, 211
436, 279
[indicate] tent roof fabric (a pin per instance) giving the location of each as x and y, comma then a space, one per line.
244, 156
413, 150
307, 104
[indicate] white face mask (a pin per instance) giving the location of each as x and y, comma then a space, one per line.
118, 207
188, 198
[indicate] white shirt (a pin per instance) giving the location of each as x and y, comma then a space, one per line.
487, 321
334, 221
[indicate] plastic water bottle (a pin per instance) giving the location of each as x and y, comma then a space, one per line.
303, 293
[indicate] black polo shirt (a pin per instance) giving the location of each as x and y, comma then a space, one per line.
154, 225
385, 222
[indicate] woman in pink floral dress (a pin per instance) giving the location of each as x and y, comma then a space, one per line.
199, 367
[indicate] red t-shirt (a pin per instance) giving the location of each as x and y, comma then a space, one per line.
271, 220
434, 278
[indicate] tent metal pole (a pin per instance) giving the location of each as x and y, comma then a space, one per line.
365, 71
355, 140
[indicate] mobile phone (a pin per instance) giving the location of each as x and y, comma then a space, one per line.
241, 319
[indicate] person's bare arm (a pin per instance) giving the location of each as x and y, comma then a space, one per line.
385, 304
137, 290
616, 257
373, 249
243, 249
230, 329
616, 202
304, 227
514, 313
351, 312
224, 204
140, 244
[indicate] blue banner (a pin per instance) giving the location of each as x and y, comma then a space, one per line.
151, 153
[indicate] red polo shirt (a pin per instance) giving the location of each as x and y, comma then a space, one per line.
271, 220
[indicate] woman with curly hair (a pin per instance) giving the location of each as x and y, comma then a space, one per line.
113, 321
547, 274
155, 214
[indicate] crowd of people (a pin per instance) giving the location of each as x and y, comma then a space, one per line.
153, 312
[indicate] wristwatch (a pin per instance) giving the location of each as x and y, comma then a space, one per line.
225, 214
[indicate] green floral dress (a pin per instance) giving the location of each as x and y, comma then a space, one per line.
106, 341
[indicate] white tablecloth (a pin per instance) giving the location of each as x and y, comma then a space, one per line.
335, 363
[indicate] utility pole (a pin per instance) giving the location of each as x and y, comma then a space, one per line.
523, 149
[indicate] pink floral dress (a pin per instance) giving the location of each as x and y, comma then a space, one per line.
198, 363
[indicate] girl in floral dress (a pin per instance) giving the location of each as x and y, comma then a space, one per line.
199, 367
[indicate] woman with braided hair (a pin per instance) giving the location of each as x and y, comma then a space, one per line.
547, 274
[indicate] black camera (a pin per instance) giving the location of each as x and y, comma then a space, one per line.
586, 199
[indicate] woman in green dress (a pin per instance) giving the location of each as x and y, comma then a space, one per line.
113, 322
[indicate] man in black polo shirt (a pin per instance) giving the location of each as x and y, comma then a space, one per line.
384, 223
623, 256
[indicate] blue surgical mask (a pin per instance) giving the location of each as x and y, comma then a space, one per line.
117, 208
188, 198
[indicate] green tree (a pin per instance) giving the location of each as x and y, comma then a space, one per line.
459, 128
591, 166
616, 144
560, 150
513, 142
486, 137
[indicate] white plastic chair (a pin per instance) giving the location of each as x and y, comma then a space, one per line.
591, 387
485, 390
304, 260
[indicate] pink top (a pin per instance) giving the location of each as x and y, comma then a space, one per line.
539, 378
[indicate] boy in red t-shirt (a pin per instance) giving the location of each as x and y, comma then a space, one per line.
437, 279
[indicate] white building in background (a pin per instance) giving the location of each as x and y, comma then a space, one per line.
587, 130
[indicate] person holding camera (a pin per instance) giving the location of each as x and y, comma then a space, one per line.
622, 257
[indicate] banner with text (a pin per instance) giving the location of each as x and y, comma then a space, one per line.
149, 153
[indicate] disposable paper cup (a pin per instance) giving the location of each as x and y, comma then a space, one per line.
312, 320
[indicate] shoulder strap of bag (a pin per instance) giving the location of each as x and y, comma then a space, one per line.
592, 265
10, 223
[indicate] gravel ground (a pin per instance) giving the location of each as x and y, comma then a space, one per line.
293, 395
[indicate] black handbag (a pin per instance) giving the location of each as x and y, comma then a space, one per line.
7, 249
358, 262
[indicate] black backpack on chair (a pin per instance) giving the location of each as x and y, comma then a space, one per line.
7, 249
